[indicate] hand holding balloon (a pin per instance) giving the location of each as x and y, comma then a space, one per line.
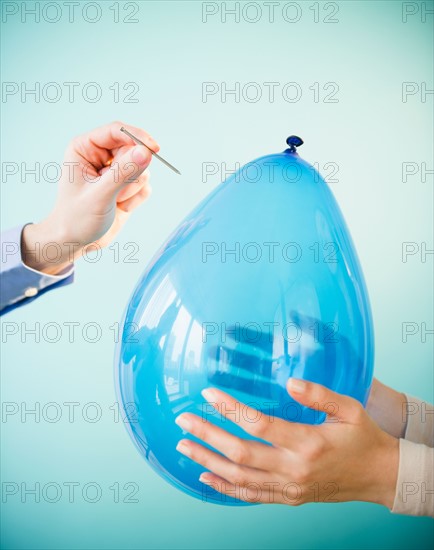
346, 458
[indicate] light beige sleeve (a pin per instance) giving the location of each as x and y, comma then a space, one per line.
415, 485
420, 421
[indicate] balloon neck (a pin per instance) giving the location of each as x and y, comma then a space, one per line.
293, 142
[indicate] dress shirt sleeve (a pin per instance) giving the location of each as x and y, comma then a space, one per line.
20, 284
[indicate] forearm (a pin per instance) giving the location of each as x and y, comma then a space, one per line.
388, 408
21, 282
44, 249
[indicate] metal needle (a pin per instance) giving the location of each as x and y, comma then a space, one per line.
156, 155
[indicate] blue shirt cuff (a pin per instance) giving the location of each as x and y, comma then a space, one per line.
19, 282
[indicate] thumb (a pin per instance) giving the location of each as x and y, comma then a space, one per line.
126, 169
318, 397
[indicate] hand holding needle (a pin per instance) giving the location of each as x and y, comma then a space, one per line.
156, 155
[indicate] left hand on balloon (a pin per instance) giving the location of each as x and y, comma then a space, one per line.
348, 457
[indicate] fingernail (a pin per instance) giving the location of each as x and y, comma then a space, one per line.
297, 385
204, 478
208, 394
184, 423
141, 155
183, 448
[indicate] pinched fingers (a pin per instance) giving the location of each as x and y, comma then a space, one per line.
99, 146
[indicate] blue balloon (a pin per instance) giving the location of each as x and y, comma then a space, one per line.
259, 283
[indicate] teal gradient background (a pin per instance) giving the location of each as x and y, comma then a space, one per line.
170, 53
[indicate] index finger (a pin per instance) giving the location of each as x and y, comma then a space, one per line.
110, 137
100, 146
277, 431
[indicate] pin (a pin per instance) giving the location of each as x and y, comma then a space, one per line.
156, 155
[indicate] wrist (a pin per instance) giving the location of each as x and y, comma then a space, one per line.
384, 468
45, 248
386, 406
